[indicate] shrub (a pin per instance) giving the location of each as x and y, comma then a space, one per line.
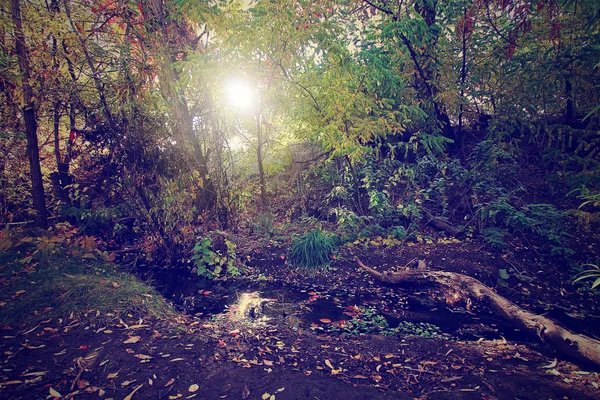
313, 250
210, 263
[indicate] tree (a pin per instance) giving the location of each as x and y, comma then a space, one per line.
29, 116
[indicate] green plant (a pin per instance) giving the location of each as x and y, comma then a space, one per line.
210, 263
313, 250
592, 273
349, 223
264, 224
364, 320
496, 237
423, 329
591, 201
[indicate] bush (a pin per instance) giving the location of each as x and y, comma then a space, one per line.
313, 250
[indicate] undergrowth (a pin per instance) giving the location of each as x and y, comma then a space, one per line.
61, 285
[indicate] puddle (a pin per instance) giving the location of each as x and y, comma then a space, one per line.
300, 307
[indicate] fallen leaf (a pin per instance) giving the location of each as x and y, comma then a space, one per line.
193, 388
130, 395
33, 347
19, 292
171, 381
113, 375
101, 392
115, 284
132, 339
551, 365
143, 356
54, 393
178, 359
328, 363
268, 363
553, 372
265, 396
41, 373
360, 377
138, 326
325, 320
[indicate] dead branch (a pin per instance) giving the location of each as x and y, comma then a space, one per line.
550, 332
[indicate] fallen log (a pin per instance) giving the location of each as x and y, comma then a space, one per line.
550, 332
441, 224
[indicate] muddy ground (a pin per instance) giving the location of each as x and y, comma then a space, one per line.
322, 336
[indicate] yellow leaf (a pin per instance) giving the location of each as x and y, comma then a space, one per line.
130, 395
132, 339
328, 363
138, 326
113, 375
54, 393
193, 388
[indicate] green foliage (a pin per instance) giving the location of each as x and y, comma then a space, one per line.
543, 220
365, 320
591, 201
60, 284
213, 264
591, 273
349, 223
313, 250
496, 237
424, 329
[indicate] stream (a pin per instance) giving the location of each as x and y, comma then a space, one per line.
332, 310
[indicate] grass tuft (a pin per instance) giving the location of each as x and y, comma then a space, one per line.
313, 250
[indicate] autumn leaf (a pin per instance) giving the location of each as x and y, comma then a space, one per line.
132, 339
193, 388
113, 375
130, 395
54, 393
171, 381
325, 320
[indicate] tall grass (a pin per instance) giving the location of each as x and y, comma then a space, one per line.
313, 251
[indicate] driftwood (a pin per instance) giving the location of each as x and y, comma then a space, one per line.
550, 332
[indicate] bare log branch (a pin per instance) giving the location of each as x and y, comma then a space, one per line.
550, 332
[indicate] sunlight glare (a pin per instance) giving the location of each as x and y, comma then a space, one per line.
241, 95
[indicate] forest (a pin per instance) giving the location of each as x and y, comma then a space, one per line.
290, 199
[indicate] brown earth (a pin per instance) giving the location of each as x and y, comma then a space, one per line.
303, 351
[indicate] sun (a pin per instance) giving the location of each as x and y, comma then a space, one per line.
241, 94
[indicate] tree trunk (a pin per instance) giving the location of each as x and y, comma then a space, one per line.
37, 185
579, 346
261, 170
